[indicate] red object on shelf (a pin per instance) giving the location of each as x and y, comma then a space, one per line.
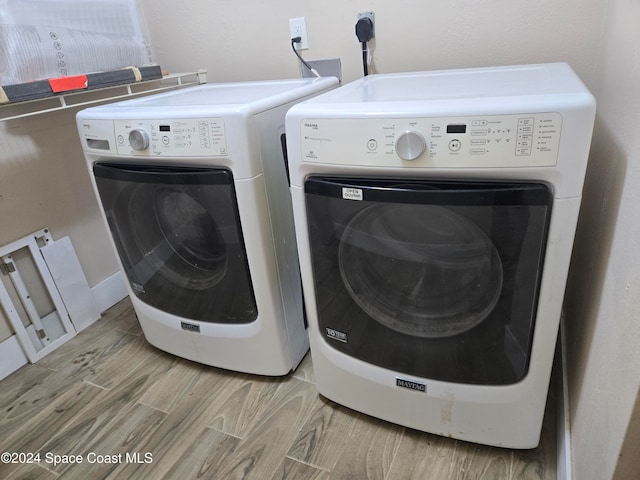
64, 84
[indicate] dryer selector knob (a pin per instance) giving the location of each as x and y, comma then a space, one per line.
410, 145
138, 139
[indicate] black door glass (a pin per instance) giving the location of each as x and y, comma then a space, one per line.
434, 279
179, 238
390, 255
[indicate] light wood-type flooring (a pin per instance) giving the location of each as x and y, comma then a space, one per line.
107, 395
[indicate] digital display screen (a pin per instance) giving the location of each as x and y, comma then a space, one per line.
456, 128
165, 128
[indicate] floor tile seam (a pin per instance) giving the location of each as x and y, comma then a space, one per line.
166, 412
237, 437
120, 330
303, 379
43, 465
107, 389
308, 464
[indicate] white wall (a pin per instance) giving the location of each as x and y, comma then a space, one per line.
44, 183
249, 39
603, 299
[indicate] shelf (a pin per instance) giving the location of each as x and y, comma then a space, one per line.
89, 97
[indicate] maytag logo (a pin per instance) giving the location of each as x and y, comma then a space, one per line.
190, 327
336, 335
411, 385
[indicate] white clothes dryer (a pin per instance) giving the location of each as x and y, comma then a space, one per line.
194, 190
435, 214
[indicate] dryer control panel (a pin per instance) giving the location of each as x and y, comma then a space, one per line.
520, 140
183, 137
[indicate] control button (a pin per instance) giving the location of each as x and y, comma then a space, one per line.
372, 144
410, 145
165, 140
477, 151
120, 139
138, 139
523, 151
455, 145
478, 133
526, 121
478, 123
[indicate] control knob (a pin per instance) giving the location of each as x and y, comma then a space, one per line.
410, 145
138, 139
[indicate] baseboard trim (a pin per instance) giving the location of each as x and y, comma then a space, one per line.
11, 355
110, 291
563, 465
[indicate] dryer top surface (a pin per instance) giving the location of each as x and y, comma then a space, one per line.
215, 98
471, 83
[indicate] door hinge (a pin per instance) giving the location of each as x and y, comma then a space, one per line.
7, 268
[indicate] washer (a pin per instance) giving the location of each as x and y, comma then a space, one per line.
194, 190
435, 214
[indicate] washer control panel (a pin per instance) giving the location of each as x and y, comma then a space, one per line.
521, 140
184, 137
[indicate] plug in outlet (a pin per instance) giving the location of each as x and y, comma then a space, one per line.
298, 28
371, 16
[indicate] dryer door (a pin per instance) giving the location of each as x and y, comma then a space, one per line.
179, 239
430, 278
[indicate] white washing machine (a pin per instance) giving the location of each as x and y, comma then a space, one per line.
435, 214
194, 190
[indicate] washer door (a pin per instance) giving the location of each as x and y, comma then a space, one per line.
179, 238
435, 279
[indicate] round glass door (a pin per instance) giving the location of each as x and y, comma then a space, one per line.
420, 270
181, 238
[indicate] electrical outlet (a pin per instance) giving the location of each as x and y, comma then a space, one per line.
371, 16
298, 28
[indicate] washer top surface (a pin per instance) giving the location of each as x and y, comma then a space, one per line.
523, 80
215, 97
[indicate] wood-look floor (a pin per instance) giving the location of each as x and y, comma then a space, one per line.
108, 392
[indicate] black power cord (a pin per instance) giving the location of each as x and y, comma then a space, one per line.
295, 40
364, 32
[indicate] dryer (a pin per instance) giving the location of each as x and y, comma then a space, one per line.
435, 214
193, 188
